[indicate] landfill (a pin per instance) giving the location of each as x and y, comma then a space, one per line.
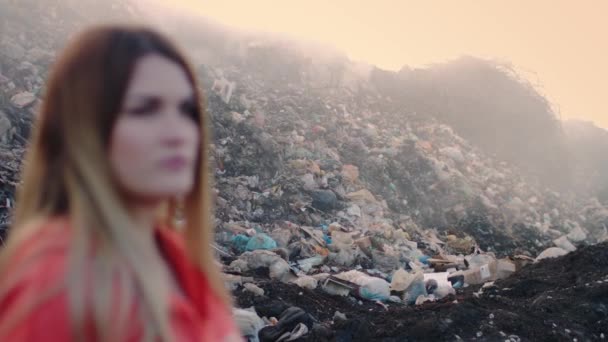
340, 214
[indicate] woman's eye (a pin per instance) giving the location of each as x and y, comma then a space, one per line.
146, 107
189, 109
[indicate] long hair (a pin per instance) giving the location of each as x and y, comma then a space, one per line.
66, 173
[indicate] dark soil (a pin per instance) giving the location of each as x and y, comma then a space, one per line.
560, 299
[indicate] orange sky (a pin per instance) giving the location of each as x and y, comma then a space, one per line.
562, 44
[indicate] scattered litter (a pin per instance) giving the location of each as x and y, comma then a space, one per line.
254, 289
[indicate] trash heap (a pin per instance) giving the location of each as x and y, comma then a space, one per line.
320, 192
553, 299
22, 73
31, 33
339, 193
330, 195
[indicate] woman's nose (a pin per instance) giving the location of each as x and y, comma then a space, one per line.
173, 140
175, 127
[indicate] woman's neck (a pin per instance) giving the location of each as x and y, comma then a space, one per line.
145, 215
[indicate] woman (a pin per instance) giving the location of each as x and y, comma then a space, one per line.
119, 147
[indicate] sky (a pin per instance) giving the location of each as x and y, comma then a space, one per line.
560, 45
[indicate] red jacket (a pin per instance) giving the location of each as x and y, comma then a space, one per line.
200, 317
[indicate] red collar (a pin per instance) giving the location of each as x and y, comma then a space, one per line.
192, 280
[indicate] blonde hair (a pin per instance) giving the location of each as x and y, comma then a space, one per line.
66, 174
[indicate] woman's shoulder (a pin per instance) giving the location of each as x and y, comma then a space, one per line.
34, 274
37, 256
194, 281
39, 244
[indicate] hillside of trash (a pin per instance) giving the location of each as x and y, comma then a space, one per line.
560, 299
343, 211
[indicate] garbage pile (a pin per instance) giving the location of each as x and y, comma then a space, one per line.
23, 66
557, 299
332, 194
324, 158
31, 33
336, 192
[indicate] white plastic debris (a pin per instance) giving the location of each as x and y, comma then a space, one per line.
279, 268
453, 153
440, 277
504, 268
307, 264
577, 234
416, 289
248, 322
443, 291
345, 257
306, 282
240, 265
479, 260
564, 244
23, 99
339, 316
371, 288
321, 276
401, 280
233, 281
336, 288
552, 252
395, 299
253, 288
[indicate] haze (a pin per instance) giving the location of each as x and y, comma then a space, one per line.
561, 46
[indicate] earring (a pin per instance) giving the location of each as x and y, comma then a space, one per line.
179, 215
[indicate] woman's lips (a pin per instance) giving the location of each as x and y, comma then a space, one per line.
176, 163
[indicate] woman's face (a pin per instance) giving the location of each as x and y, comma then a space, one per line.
155, 140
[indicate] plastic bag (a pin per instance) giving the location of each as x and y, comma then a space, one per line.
239, 242
416, 289
306, 282
307, 264
248, 322
552, 252
370, 288
260, 241
401, 280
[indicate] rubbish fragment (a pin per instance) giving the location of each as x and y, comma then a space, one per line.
299, 331
350, 172
338, 287
564, 244
441, 278
306, 282
552, 252
310, 232
339, 316
324, 199
254, 289
248, 322
224, 89
577, 234
401, 280
504, 268
239, 242
278, 267
307, 264
416, 289
289, 320
443, 291
260, 241
370, 288
23, 99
